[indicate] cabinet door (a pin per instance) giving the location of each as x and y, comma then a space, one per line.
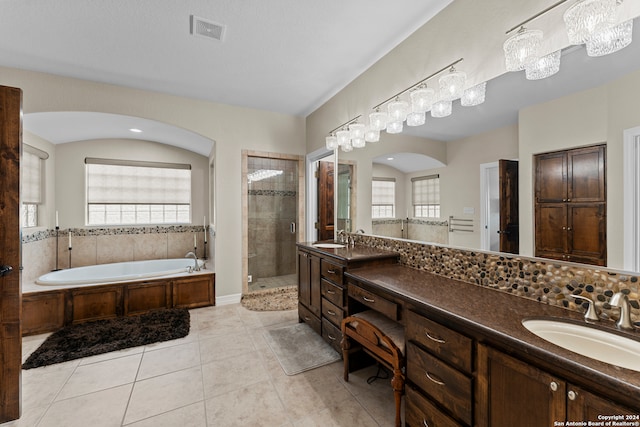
304, 279
512, 393
551, 230
584, 406
586, 233
586, 175
551, 177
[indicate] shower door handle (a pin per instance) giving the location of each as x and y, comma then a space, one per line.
293, 228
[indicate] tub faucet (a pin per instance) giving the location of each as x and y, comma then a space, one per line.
621, 301
195, 259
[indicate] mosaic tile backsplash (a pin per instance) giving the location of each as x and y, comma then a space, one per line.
545, 281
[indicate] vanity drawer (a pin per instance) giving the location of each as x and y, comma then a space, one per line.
448, 345
307, 317
333, 293
332, 312
332, 335
420, 412
447, 386
331, 271
376, 302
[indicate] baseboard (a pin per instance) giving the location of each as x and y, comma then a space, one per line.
228, 299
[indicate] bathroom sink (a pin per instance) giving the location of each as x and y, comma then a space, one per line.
591, 342
328, 245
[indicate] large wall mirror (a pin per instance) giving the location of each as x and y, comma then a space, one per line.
590, 101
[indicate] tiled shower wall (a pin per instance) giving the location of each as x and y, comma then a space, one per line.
93, 246
543, 280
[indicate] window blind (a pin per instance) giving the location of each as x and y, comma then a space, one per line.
426, 190
31, 168
124, 182
383, 191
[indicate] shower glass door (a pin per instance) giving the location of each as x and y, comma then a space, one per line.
272, 186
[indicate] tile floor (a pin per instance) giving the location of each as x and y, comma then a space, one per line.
222, 374
274, 282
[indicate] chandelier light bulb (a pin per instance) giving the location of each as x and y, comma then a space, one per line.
398, 110
422, 99
521, 49
452, 84
611, 39
474, 95
332, 142
585, 18
394, 127
544, 67
378, 120
416, 119
441, 109
343, 137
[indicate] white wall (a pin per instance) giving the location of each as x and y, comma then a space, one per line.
232, 129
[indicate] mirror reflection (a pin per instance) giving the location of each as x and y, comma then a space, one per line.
442, 182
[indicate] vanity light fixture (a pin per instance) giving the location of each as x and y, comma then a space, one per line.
378, 120
343, 137
416, 119
441, 109
473, 96
585, 18
452, 84
398, 110
521, 49
422, 99
543, 67
371, 135
394, 127
331, 142
610, 39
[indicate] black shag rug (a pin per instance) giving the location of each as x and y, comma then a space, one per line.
103, 336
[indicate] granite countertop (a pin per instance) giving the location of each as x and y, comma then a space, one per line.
349, 253
495, 318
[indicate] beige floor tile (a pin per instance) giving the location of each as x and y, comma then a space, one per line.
192, 337
164, 393
165, 360
112, 355
187, 416
40, 386
101, 409
224, 346
29, 418
101, 376
233, 373
256, 405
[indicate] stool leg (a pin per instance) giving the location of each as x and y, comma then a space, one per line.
345, 356
397, 383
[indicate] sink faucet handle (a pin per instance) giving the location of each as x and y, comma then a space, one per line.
621, 301
591, 313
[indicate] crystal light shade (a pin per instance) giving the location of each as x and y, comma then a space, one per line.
422, 99
378, 120
357, 131
394, 127
474, 95
586, 17
343, 137
452, 85
610, 40
544, 67
416, 119
347, 147
358, 142
441, 109
332, 142
398, 111
372, 135
521, 49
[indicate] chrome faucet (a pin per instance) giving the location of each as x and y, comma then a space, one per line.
591, 314
195, 259
621, 301
340, 235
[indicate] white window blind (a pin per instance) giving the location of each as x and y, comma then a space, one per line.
134, 192
383, 197
31, 167
426, 196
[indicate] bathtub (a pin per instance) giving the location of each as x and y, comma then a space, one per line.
117, 272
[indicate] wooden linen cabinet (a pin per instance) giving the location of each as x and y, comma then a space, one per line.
571, 205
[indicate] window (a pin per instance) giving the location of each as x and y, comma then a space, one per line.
32, 167
425, 192
383, 197
121, 192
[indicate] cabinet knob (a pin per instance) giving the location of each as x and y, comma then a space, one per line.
568, 228
564, 228
553, 386
568, 200
564, 200
572, 395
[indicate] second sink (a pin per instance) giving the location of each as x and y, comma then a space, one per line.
591, 342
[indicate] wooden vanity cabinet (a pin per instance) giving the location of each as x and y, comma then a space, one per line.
309, 304
511, 392
570, 205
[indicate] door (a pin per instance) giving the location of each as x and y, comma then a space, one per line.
326, 176
551, 177
10, 294
509, 228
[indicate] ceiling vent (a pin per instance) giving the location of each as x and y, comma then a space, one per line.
204, 28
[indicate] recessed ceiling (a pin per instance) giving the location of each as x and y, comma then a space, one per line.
408, 162
278, 55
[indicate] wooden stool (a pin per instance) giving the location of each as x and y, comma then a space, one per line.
381, 338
